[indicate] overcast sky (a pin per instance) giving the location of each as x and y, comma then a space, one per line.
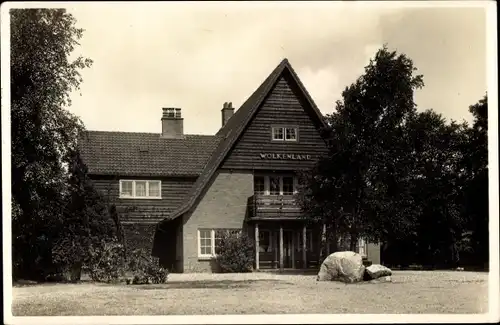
197, 56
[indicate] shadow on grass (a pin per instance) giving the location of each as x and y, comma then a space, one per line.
218, 284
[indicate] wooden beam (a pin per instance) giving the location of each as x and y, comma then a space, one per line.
293, 249
304, 247
281, 247
275, 249
257, 248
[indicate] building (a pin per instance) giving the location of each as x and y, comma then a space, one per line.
175, 192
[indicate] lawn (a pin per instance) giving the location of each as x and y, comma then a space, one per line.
259, 293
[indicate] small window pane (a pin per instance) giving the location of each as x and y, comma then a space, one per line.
140, 188
154, 189
291, 134
278, 134
258, 184
274, 185
288, 185
126, 189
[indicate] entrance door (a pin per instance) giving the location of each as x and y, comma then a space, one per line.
288, 249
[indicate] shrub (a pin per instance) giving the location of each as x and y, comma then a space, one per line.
235, 253
145, 268
106, 262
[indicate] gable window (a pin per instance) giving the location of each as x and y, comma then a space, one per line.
278, 133
290, 134
139, 189
209, 241
281, 133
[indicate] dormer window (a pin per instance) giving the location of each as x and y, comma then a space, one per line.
283, 133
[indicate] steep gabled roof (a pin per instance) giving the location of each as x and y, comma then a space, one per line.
145, 154
235, 126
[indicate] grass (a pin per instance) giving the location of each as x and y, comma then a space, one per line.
259, 293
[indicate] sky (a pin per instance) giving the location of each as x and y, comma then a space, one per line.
197, 56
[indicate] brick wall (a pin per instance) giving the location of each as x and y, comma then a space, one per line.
223, 205
138, 236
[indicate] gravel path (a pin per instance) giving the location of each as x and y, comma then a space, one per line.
260, 293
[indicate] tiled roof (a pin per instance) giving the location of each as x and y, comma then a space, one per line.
145, 154
235, 126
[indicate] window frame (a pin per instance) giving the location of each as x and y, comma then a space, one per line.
284, 129
267, 184
134, 196
212, 241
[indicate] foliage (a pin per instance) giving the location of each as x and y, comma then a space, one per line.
361, 187
476, 189
235, 253
86, 221
43, 132
106, 262
407, 178
145, 268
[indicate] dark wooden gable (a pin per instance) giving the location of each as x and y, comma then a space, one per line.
232, 131
284, 106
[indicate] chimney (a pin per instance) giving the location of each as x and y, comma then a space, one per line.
227, 112
172, 124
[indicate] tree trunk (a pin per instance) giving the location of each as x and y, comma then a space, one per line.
353, 243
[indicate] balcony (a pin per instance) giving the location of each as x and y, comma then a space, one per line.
277, 207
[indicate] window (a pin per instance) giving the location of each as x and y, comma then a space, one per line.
205, 237
209, 241
290, 134
126, 188
135, 189
274, 185
140, 188
154, 189
287, 185
258, 185
284, 133
278, 134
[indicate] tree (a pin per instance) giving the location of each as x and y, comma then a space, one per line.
43, 131
86, 222
476, 162
438, 191
362, 188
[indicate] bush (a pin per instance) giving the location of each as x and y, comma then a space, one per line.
235, 253
145, 268
106, 262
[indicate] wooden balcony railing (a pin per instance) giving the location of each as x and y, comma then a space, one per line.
273, 207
